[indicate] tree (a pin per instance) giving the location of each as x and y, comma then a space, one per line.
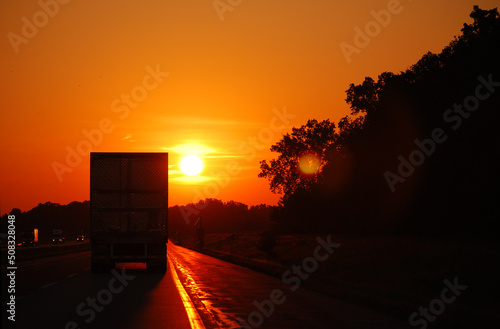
363, 98
305, 146
451, 189
16, 212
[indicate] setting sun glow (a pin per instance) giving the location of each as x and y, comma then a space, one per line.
191, 165
212, 79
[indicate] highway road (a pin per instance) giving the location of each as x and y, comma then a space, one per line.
197, 291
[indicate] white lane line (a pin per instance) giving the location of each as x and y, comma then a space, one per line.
72, 275
192, 313
48, 285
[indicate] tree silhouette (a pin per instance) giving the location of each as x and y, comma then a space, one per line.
307, 143
451, 191
219, 217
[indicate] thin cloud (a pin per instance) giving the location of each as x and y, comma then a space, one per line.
129, 138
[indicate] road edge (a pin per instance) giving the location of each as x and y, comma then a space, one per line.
192, 313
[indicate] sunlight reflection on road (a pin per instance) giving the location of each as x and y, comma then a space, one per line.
199, 295
194, 317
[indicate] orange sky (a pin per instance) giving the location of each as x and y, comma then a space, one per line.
209, 78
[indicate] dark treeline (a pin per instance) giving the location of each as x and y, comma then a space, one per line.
217, 217
72, 218
416, 155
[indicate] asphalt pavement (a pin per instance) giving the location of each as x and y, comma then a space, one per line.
198, 291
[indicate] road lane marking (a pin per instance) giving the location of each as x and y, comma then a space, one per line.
48, 285
192, 313
72, 275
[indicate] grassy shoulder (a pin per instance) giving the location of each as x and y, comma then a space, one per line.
393, 274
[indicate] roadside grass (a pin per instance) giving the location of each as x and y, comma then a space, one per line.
393, 274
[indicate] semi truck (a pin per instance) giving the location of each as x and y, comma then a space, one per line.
57, 236
30, 238
128, 209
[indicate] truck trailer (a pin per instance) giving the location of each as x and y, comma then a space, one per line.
128, 209
30, 238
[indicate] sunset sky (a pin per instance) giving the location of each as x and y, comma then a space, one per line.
187, 77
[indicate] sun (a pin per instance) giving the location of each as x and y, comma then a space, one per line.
191, 165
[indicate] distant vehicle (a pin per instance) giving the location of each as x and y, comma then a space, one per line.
57, 236
128, 209
30, 238
80, 238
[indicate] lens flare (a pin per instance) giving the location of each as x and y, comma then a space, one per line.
309, 163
